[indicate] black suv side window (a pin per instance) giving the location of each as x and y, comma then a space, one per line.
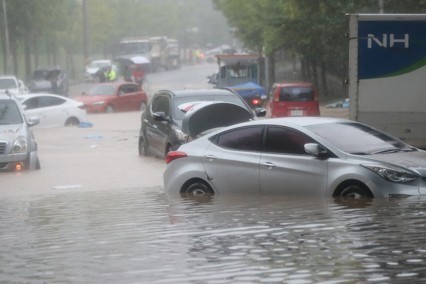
242, 139
282, 140
161, 104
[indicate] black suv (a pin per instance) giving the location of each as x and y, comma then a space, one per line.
161, 124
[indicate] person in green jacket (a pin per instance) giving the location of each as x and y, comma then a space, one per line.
110, 74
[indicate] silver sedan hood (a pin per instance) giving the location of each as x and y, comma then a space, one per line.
204, 116
415, 161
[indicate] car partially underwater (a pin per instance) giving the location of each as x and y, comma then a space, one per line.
311, 156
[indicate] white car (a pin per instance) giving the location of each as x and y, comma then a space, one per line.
310, 156
13, 85
91, 69
53, 110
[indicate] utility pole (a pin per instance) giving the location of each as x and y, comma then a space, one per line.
86, 44
381, 6
6, 36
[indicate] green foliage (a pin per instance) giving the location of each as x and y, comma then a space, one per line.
314, 29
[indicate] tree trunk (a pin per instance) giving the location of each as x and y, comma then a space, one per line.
324, 79
14, 52
27, 51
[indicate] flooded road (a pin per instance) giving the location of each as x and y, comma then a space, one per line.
97, 213
141, 235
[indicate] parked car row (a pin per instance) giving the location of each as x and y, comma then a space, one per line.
213, 144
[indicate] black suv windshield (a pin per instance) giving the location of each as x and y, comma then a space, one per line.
9, 113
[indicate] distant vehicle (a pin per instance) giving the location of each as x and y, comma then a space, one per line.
339, 104
129, 48
18, 149
13, 85
293, 99
165, 53
114, 97
310, 156
53, 110
52, 80
241, 73
161, 124
95, 66
210, 55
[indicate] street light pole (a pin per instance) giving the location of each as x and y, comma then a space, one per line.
381, 6
86, 44
6, 35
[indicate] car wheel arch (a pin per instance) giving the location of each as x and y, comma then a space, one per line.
72, 121
196, 181
352, 182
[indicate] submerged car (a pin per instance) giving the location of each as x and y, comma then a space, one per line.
293, 99
53, 110
114, 97
161, 125
18, 149
51, 80
312, 156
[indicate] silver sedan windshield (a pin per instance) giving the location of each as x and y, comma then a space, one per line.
355, 138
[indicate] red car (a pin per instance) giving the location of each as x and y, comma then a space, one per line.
293, 99
112, 97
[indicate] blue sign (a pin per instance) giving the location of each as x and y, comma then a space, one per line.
390, 48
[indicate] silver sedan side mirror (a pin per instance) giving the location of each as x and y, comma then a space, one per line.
315, 149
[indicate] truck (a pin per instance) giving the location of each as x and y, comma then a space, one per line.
133, 48
242, 74
165, 53
387, 74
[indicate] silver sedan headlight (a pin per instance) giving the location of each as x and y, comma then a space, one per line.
392, 173
20, 145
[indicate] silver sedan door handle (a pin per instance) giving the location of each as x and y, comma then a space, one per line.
268, 165
210, 158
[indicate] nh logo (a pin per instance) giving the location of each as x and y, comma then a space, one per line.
388, 40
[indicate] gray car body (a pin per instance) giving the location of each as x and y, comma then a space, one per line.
9, 133
231, 171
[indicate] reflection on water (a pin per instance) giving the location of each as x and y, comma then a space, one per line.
144, 236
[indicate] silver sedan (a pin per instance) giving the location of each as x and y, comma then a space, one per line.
312, 156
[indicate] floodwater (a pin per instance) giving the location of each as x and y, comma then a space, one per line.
97, 213
142, 235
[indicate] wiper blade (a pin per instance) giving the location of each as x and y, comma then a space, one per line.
387, 151
409, 149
